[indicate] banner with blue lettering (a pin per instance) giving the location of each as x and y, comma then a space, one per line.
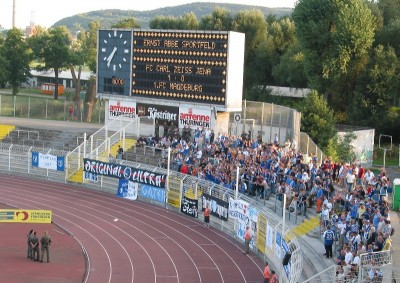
127, 189
120, 171
153, 193
47, 161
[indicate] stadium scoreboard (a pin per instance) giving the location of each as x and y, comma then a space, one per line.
187, 66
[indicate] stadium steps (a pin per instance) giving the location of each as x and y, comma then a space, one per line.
77, 177
5, 130
306, 227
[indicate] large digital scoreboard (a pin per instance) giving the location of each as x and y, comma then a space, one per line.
186, 66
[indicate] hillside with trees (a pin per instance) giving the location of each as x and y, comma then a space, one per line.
108, 18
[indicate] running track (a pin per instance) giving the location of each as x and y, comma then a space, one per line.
146, 244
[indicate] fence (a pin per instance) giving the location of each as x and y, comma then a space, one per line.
267, 242
266, 120
37, 107
308, 146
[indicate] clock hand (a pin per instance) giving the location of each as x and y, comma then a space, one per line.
111, 56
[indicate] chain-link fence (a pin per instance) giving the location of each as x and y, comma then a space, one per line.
38, 107
265, 120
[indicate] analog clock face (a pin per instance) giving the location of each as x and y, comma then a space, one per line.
114, 50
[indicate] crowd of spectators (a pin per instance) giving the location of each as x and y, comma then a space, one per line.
347, 197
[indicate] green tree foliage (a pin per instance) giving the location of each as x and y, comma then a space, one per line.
390, 10
389, 35
317, 119
186, 22
3, 73
16, 58
336, 36
377, 89
53, 50
220, 20
127, 23
341, 149
290, 69
253, 24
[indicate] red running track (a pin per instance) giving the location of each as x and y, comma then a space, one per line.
146, 244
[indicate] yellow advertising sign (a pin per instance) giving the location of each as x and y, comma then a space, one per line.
261, 232
25, 216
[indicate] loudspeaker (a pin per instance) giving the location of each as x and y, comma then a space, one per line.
215, 113
286, 259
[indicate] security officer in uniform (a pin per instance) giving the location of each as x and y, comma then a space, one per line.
29, 243
46, 242
35, 247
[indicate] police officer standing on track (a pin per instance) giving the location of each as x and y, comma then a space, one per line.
46, 242
29, 243
35, 247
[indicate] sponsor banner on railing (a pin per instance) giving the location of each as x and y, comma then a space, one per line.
153, 193
120, 171
218, 207
121, 109
194, 118
281, 248
189, 206
25, 216
261, 232
127, 189
47, 161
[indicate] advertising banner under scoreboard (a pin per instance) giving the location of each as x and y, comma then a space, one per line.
121, 109
194, 118
161, 113
25, 216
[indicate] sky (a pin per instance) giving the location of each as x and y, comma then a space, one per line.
47, 12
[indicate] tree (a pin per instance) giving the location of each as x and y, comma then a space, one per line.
127, 23
186, 22
290, 69
377, 88
340, 148
53, 49
336, 36
17, 57
86, 49
317, 119
252, 23
3, 73
220, 20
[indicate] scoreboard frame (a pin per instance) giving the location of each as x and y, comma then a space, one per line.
177, 66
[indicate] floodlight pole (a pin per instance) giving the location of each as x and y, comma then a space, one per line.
384, 158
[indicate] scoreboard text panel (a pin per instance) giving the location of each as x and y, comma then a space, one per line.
187, 66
